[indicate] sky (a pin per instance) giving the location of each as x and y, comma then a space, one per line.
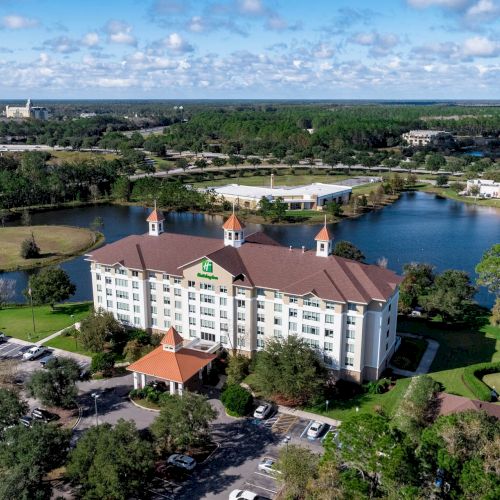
250, 49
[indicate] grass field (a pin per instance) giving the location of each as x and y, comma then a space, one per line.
58, 157
409, 354
17, 321
67, 343
56, 243
492, 380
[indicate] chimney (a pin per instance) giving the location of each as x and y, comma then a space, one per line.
272, 181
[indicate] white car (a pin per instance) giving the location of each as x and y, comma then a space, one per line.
263, 411
242, 495
267, 465
34, 352
182, 461
315, 429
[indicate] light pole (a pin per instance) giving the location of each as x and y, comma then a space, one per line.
96, 396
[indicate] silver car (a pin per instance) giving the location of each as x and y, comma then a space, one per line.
263, 411
182, 461
34, 352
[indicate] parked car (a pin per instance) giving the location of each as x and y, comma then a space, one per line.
263, 411
243, 495
182, 461
26, 421
46, 359
315, 429
267, 465
34, 352
43, 415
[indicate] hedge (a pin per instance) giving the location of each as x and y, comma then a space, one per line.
473, 375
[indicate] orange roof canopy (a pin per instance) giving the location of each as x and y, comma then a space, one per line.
323, 235
172, 337
233, 224
155, 216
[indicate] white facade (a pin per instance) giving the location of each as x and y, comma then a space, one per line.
425, 137
27, 111
487, 188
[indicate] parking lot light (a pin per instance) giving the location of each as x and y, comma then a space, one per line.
96, 396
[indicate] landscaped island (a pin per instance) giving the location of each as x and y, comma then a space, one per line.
56, 243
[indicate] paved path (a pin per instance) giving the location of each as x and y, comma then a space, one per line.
425, 363
308, 416
54, 335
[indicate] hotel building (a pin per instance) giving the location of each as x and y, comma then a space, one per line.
240, 291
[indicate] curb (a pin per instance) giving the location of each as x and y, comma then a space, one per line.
142, 407
79, 419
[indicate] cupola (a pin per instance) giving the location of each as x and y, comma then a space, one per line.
324, 242
155, 221
233, 231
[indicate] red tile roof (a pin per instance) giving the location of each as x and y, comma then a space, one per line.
172, 338
449, 403
155, 216
323, 235
233, 223
177, 366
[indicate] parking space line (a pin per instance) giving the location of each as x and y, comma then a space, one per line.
265, 475
261, 487
307, 428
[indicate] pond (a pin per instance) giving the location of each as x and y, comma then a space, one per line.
419, 227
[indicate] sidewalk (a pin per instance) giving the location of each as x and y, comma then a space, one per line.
427, 358
53, 335
308, 416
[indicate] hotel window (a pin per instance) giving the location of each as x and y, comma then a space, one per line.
99, 299
123, 317
109, 292
121, 271
98, 277
240, 291
109, 281
328, 346
122, 306
261, 318
137, 321
241, 329
241, 316
152, 298
311, 302
310, 316
154, 321
191, 284
277, 321
314, 343
390, 305
386, 346
278, 295
208, 299
277, 334
135, 296
166, 323
261, 291
206, 286
292, 326
278, 308
260, 343
166, 277
135, 274
107, 269
260, 304
177, 281
260, 330
329, 333
135, 284
177, 292
292, 313
223, 339
178, 328
109, 303
207, 311
294, 300
223, 301
153, 309
178, 304
192, 321
349, 361
120, 282
329, 305
192, 333
311, 330
241, 341
151, 274
191, 296
178, 317
122, 295
224, 327
349, 347
152, 286
240, 303
351, 307
137, 309
166, 288
351, 320
206, 323
166, 300
388, 331
328, 318
192, 308
166, 312
351, 334
223, 289
223, 314
389, 320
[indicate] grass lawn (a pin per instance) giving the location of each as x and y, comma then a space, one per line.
67, 343
17, 321
449, 193
492, 380
57, 157
458, 348
161, 163
409, 354
56, 243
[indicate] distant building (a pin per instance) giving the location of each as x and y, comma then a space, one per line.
420, 138
87, 115
28, 111
487, 188
310, 197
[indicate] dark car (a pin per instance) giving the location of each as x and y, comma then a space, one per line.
27, 421
43, 415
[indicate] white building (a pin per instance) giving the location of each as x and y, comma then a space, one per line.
27, 111
420, 138
311, 197
240, 291
487, 188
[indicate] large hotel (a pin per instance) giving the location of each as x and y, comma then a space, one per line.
239, 291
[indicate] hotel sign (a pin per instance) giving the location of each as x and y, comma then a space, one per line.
207, 268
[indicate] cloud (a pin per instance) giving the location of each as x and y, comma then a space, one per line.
91, 39
480, 46
120, 32
483, 10
380, 44
252, 7
176, 43
18, 22
62, 45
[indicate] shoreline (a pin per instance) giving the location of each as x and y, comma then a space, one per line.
444, 192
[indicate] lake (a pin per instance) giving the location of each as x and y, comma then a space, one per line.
419, 227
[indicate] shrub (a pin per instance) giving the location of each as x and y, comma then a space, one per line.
472, 379
237, 400
29, 248
103, 362
237, 369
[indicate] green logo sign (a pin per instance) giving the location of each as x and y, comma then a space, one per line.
207, 266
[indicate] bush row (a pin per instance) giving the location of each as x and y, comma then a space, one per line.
472, 379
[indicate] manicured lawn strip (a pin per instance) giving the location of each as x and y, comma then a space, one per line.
67, 343
16, 321
409, 354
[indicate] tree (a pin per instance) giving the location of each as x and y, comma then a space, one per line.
181, 163
488, 270
237, 369
418, 278
55, 385
349, 251
29, 248
219, 162
99, 328
112, 462
279, 209
12, 407
265, 207
434, 161
451, 295
397, 183
7, 291
183, 422
237, 400
288, 369
103, 362
297, 466
441, 180
327, 484
50, 285
334, 208
121, 189
97, 224
201, 163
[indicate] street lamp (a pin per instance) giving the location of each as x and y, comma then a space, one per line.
96, 396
